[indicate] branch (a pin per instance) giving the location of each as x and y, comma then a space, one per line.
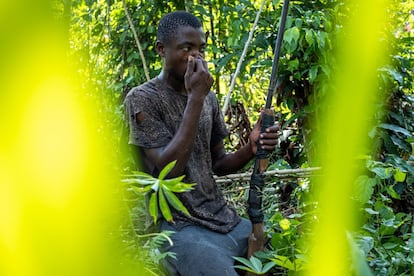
246, 46
281, 174
137, 41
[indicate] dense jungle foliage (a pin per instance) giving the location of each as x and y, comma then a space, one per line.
115, 40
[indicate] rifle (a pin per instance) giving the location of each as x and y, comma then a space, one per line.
256, 238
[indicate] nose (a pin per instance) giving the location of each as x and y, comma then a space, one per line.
196, 53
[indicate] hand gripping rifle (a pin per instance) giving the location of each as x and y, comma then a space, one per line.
256, 238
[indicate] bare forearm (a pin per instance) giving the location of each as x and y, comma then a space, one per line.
233, 162
182, 144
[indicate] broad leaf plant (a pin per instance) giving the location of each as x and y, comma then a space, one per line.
161, 191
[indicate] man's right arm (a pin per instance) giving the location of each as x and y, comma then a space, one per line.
181, 145
198, 82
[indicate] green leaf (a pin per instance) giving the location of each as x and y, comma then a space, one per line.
371, 211
364, 188
293, 65
165, 209
181, 187
392, 192
256, 263
268, 266
292, 34
133, 181
396, 128
399, 175
313, 73
141, 189
245, 268
380, 169
242, 260
366, 243
309, 37
175, 202
167, 169
247, 265
283, 261
390, 245
141, 178
172, 181
153, 207
359, 260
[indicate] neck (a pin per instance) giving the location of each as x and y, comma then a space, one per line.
172, 82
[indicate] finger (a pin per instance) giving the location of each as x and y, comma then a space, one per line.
190, 65
260, 116
259, 121
274, 128
198, 64
205, 66
268, 139
269, 135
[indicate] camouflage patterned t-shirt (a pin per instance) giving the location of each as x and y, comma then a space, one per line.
154, 113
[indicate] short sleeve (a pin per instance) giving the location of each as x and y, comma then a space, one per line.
146, 127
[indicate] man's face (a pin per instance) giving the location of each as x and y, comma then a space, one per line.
187, 41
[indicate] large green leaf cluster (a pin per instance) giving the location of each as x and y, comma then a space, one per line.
162, 190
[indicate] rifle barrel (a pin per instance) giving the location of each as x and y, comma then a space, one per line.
276, 55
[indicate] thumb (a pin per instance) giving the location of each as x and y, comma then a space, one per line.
259, 121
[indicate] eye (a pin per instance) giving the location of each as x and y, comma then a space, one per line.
186, 49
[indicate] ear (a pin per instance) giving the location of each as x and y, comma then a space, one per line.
160, 48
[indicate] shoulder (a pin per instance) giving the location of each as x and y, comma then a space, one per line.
147, 89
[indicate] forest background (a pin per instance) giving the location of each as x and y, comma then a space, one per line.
74, 148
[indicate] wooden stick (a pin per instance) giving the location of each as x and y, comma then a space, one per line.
236, 73
141, 54
281, 174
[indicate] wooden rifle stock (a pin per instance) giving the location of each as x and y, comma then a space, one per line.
256, 238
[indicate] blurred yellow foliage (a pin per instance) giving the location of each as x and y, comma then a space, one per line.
57, 206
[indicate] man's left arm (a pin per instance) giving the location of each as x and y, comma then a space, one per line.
226, 163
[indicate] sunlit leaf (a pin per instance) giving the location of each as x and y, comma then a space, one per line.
181, 187
167, 169
392, 192
172, 181
165, 209
284, 224
175, 202
141, 189
309, 37
153, 207
283, 261
399, 175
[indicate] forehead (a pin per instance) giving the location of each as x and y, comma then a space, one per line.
187, 34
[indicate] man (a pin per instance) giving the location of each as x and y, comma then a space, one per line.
175, 116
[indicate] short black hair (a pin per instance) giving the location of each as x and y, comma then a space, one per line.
170, 22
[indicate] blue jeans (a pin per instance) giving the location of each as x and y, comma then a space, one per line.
200, 251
